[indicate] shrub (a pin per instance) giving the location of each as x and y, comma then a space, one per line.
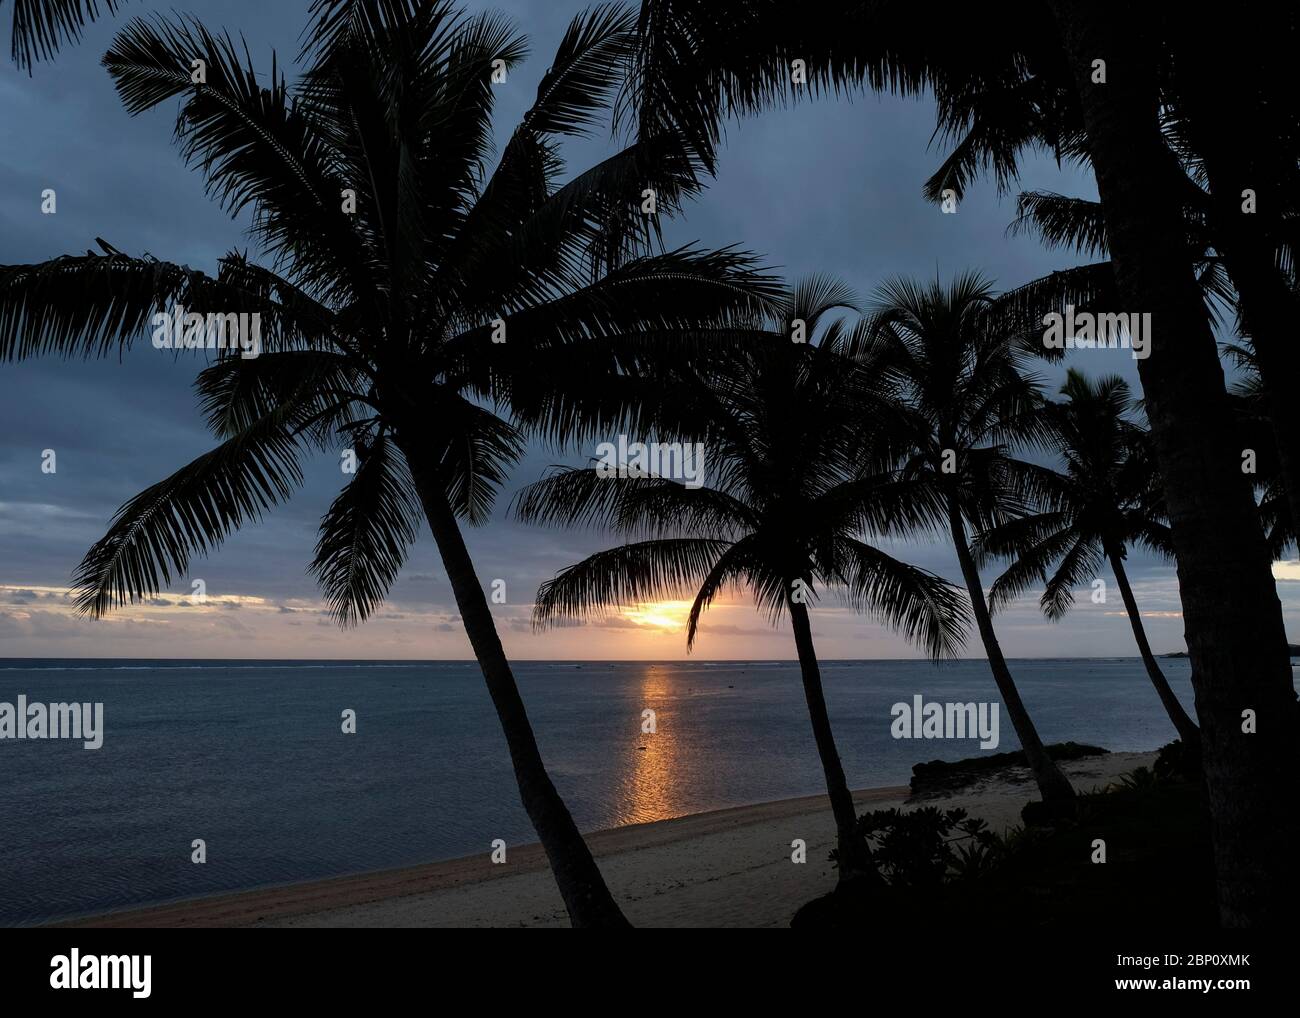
1177, 761
927, 847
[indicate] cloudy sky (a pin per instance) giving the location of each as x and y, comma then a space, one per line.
828, 187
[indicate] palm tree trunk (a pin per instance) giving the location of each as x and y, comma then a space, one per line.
852, 855
1230, 127
586, 897
1052, 783
1267, 307
1187, 730
1233, 619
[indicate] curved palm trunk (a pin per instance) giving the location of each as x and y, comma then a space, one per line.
1187, 730
1234, 626
586, 897
853, 856
1052, 783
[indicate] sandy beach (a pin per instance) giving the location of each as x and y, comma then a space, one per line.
728, 867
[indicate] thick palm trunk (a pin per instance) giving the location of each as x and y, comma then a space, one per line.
1052, 783
1229, 122
586, 897
853, 856
1187, 730
1233, 619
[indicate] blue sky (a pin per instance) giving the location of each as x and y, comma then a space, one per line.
829, 187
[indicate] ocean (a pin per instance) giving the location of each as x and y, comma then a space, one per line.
250, 757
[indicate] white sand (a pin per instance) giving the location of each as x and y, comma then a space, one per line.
725, 868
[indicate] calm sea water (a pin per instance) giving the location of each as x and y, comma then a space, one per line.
250, 757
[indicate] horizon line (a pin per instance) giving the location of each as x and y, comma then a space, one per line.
583, 660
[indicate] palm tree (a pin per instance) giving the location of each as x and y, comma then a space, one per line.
1239, 265
963, 381
1220, 135
1106, 499
40, 27
1235, 633
397, 260
1246, 134
701, 61
799, 441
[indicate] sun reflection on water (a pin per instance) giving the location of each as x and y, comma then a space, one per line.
651, 774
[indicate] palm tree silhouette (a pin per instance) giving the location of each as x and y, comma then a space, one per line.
397, 262
962, 379
1106, 499
700, 62
1235, 633
799, 442
1079, 223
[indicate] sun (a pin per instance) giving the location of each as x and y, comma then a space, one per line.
667, 615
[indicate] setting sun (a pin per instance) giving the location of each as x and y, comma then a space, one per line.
669, 615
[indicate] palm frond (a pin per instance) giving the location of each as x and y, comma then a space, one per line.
1019, 314
1061, 221
235, 393
925, 608
631, 506
1032, 543
1079, 566
627, 575
477, 450
152, 537
40, 27
586, 69
254, 146
991, 128
736, 566
87, 306
365, 534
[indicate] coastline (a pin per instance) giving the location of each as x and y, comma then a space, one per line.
728, 867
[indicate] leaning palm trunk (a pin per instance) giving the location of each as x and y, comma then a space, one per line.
1245, 700
586, 897
1187, 730
852, 855
1052, 783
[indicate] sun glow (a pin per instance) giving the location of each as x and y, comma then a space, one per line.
666, 615
1285, 570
